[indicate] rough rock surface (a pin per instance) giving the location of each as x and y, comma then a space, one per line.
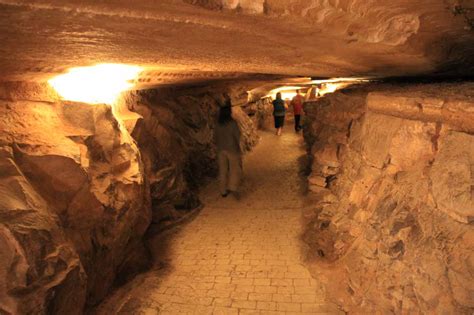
86, 177
392, 226
77, 176
261, 113
40, 270
299, 37
175, 137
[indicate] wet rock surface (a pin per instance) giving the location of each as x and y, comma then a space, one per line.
391, 230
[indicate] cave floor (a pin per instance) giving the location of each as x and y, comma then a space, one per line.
236, 257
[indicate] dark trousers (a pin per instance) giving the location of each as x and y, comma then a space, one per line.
297, 122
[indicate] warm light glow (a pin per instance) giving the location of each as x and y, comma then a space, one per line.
287, 92
337, 80
101, 83
326, 86
331, 88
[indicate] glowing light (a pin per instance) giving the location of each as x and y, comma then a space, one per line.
101, 83
326, 86
331, 88
287, 92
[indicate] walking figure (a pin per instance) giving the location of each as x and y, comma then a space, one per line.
229, 155
279, 111
297, 103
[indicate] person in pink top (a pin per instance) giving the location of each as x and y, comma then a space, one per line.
297, 103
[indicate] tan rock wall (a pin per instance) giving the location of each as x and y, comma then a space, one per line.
261, 113
392, 222
87, 171
175, 137
80, 185
40, 269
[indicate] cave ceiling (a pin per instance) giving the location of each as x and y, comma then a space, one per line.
183, 40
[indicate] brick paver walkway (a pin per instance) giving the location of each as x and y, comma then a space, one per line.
235, 257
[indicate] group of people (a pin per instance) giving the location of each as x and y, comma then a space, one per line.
227, 140
279, 111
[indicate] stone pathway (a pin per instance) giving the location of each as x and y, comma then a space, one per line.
235, 257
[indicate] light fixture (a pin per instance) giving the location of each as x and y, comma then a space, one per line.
102, 83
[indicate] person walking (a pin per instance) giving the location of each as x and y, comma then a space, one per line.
297, 103
279, 111
229, 155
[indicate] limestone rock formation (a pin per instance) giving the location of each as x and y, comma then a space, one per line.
397, 231
79, 175
261, 113
40, 269
175, 138
89, 180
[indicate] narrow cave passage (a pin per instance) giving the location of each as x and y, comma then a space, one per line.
107, 116
235, 256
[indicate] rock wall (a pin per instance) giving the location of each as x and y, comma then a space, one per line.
80, 185
261, 113
80, 175
40, 270
392, 178
175, 137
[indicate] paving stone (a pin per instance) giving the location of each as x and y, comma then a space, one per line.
226, 302
303, 298
267, 306
244, 288
240, 296
289, 307
285, 289
262, 281
281, 297
244, 304
244, 281
225, 311
264, 297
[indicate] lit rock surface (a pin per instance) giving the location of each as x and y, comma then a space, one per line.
182, 39
175, 138
98, 177
395, 222
40, 270
78, 175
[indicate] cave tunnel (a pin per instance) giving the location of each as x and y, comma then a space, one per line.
109, 198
